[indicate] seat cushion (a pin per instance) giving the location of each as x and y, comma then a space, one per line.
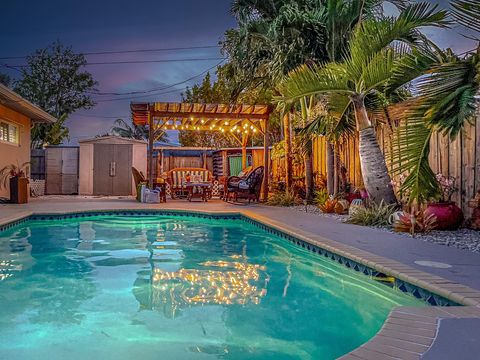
242, 184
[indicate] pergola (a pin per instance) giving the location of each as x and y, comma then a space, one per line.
238, 121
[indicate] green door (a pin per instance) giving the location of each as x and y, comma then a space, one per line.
235, 164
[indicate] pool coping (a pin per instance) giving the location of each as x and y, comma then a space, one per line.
407, 333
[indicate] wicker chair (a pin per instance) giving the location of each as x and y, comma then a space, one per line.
245, 188
138, 177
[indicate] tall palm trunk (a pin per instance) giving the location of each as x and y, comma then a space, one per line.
288, 151
330, 169
372, 161
308, 160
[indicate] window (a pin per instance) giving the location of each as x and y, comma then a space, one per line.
8, 132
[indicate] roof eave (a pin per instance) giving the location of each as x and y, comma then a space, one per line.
16, 102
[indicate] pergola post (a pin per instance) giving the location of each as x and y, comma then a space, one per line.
151, 132
244, 150
266, 159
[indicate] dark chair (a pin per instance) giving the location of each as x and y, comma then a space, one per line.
138, 177
245, 188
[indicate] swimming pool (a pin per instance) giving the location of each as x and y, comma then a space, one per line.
171, 287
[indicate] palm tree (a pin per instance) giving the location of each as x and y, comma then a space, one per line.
375, 50
276, 36
134, 131
445, 103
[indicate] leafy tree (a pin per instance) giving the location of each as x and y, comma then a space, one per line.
375, 50
54, 81
134, 131
5, 79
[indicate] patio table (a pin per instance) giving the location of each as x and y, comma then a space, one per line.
199, 190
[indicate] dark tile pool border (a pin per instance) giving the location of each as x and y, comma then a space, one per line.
397, 284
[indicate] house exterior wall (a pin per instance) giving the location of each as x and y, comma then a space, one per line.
11, 153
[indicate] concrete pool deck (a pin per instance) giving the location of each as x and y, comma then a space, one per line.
407, 333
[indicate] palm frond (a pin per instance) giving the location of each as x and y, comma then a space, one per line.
450, 92
313, 80
467, 13
411, 147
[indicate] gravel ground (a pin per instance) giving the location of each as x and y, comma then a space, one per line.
465, 239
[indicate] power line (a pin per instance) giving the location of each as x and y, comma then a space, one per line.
137, 97
101, 116
132, 62
126, 51
10, 67
161, 88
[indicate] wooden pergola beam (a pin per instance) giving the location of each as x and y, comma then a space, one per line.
207, 115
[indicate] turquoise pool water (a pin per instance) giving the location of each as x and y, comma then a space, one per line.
158, 287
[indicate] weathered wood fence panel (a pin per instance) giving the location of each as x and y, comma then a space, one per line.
459, 158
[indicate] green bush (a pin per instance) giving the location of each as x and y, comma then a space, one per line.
321, 196
284, 198
372, 214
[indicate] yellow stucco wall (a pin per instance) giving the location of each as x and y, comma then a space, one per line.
10, 153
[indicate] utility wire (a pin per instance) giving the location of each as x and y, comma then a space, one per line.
126, 51
101, 116
160, 88
133, 62
163, 88
138, 97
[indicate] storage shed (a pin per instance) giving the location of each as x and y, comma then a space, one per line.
61, 170
106, 165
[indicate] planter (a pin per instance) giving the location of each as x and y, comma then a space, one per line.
363, 194
18, 190
449, 215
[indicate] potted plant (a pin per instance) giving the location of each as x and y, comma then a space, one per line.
449, 215
15, 176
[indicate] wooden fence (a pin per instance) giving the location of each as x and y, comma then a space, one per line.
459, 158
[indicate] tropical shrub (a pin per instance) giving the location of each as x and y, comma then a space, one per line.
372, 214
328, 207
284, 198
415, 221
12, 170
321, 196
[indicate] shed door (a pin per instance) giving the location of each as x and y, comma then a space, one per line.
112, 169
70, 170
102, 158
53, 167
122, 181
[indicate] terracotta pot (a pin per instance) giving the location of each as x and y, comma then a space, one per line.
352, 196
363, 193
449, 215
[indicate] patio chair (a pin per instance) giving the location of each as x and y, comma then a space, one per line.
138, 177
223, 180
246, 188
